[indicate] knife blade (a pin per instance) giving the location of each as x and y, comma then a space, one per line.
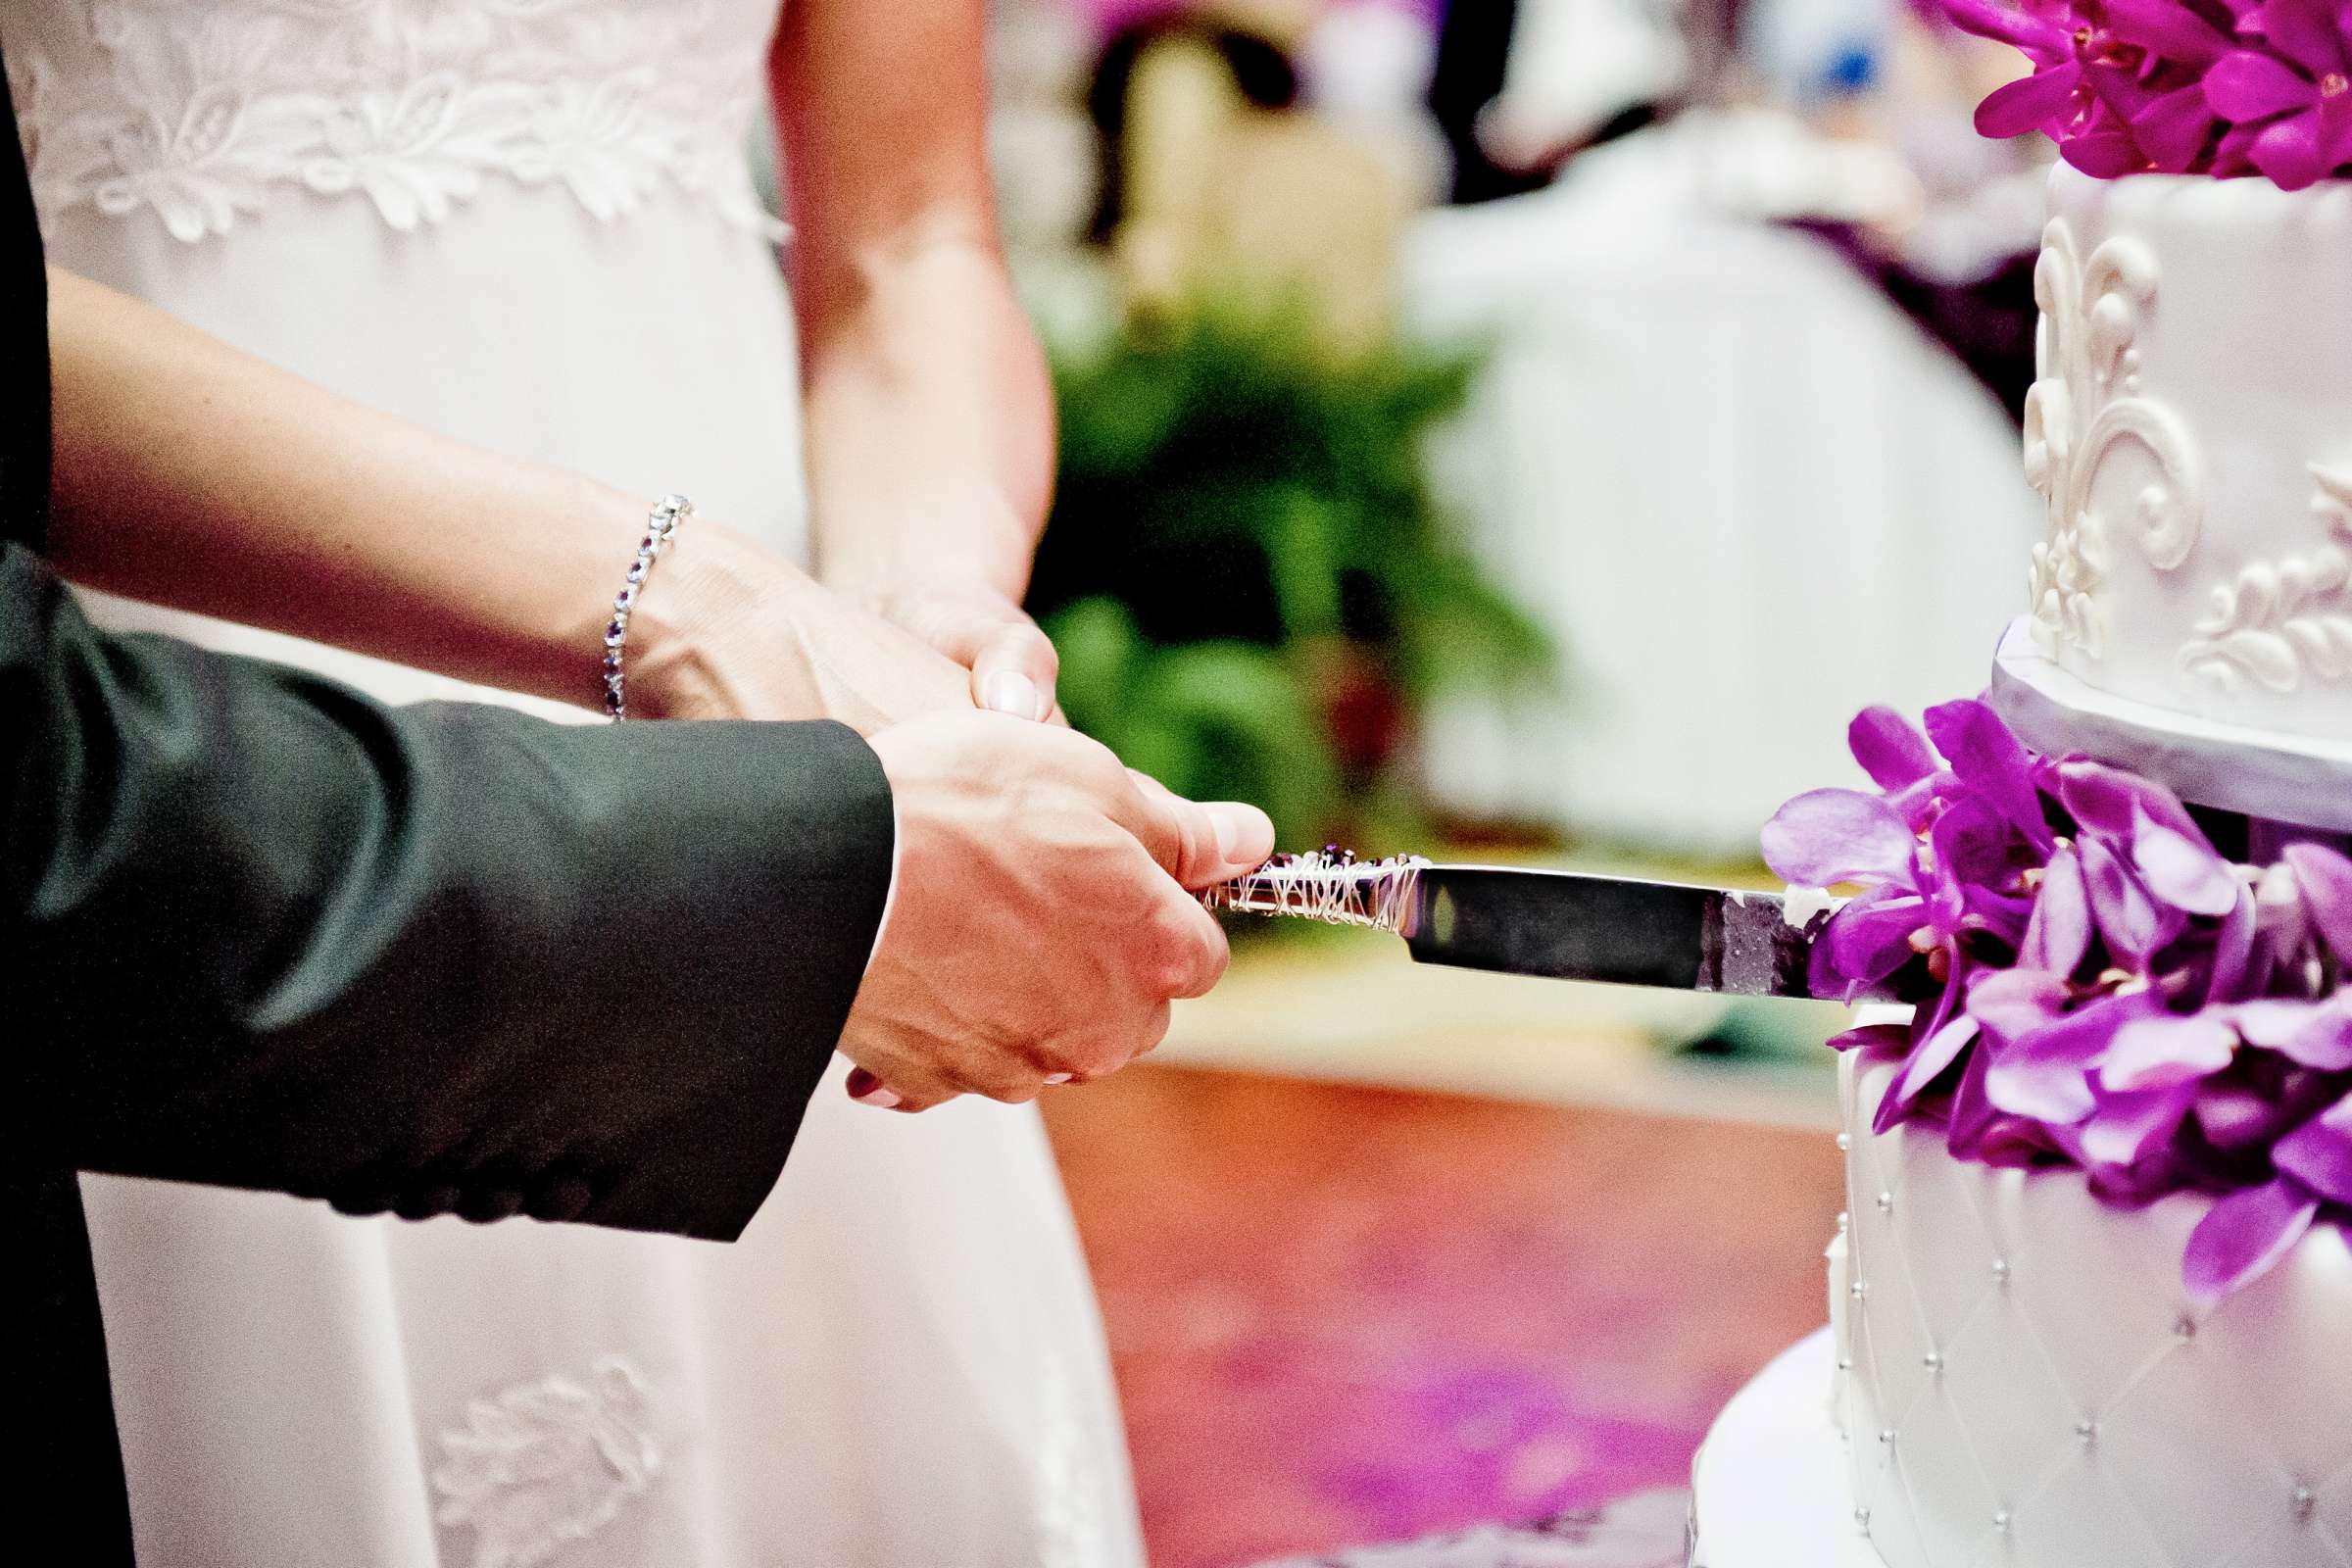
1564, 925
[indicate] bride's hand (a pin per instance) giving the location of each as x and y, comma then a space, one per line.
1013, 664
729, 628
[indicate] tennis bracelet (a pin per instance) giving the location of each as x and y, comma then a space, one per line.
659, 524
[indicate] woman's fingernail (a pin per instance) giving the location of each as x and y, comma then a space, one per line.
1009, 691
868, 1089
1058, 1078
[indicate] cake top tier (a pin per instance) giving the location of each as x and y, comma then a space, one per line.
2223, 87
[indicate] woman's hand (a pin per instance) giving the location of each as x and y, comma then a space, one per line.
1011, 663
729, 628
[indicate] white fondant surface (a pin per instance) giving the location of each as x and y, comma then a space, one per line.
2193, 429
1770, 1487
2020, 1391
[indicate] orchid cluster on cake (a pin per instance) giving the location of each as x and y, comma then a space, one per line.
2177, 86
2092, 1301
2111, 992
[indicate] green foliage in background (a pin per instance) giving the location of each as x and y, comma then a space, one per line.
1246, 572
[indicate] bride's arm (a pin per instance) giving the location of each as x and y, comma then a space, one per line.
190, 475
929, 411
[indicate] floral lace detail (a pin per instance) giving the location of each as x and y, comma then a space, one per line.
199, 109
547, 1463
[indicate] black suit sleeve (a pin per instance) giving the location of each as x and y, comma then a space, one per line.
259, 931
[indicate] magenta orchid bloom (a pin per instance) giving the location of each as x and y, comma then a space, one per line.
2178, 86
2112, 994
2297, 92
2053, 96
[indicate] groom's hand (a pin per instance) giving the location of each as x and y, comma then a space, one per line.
1041, 922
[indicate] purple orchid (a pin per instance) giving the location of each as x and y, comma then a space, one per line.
2177, 86
1943, 854
2323, 878
2111, 993
2296, 91
2172, 123
2049, 99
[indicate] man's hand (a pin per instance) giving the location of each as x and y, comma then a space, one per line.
1040, 924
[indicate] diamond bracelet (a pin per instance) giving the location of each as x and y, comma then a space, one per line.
659, 523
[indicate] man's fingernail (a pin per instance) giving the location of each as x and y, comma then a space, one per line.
1009, 691
1228, 830
1239, 840
868, 1089
1058, 1078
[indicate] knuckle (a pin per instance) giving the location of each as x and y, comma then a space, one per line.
1183, 958
1001, 1075
1210, 958
1177, 973
1011, 1086
1098, 1058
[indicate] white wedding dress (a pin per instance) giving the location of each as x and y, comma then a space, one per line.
529, 223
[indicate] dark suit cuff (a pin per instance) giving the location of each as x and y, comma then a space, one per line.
756, 938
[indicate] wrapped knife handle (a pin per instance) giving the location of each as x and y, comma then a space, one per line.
1332, 886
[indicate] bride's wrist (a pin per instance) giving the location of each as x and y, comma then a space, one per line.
691, 622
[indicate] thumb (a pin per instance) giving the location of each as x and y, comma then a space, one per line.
1198, 843
1013, 668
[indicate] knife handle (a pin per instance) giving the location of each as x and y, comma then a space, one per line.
1332, 886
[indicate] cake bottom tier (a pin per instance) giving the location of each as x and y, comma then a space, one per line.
2025, 1382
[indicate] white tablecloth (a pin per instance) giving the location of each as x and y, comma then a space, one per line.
1743, 492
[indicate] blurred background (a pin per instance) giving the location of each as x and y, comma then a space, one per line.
1514, 432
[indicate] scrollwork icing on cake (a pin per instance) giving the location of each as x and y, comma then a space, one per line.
2281, 623
2086, 403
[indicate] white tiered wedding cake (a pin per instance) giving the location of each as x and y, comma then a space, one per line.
2092, 1301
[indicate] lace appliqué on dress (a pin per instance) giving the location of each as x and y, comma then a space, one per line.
547, 1463
199, 111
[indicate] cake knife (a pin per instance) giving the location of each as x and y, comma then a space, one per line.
1565, 925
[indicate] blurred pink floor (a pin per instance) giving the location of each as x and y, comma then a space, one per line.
1344, 1315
